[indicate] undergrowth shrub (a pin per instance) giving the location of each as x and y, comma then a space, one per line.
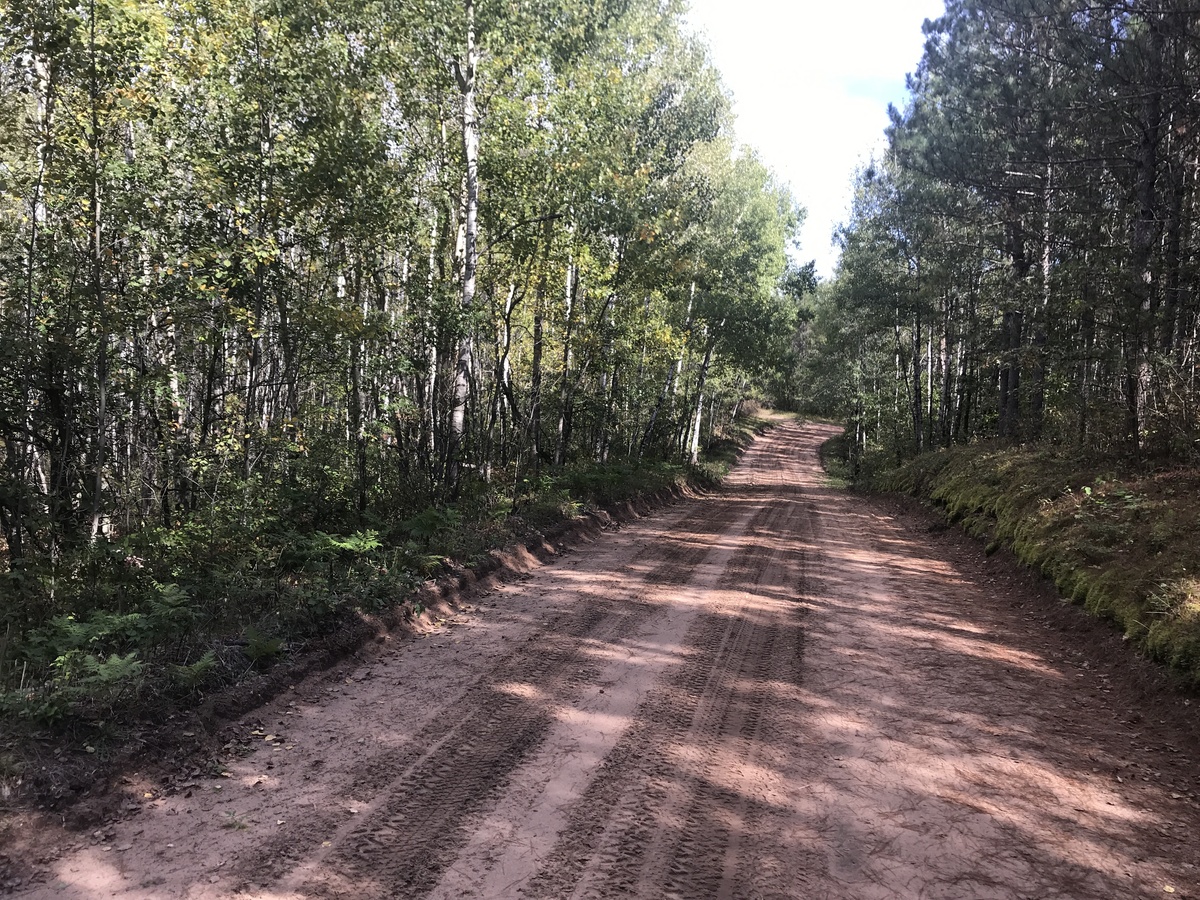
164, 613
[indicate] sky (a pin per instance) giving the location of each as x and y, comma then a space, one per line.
811, 82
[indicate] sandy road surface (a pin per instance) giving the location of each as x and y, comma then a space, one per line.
777, 691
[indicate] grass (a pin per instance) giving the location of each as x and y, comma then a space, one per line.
834, 455
1116, 540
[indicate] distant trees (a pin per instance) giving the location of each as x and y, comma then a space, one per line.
316, 262
1022, 261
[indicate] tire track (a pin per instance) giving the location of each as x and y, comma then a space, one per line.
663, 817
684, 861
746, 698
650, 824
417, 801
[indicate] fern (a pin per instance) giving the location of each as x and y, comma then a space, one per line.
261, 648
193, 675
425, 525
95, 680
113, 670
169, 610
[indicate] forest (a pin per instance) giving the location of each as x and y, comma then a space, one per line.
369, 375
297, 296
1021, 261
1012, 334
302, 302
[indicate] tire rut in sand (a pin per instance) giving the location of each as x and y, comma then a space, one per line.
674, 557
416, 802
666, 814
415, 799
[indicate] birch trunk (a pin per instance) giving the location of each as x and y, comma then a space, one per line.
464, 71
694, 443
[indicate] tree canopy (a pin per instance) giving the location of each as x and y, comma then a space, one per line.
321, 265
1021, 261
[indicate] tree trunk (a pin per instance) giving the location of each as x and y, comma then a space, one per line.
917, 405
694, 446
464, 70
96, 261
1146, 227
1010, 373
566, 394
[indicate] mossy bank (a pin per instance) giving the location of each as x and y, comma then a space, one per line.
1119, 540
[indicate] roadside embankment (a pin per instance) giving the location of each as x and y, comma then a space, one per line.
1119, 541
67, 727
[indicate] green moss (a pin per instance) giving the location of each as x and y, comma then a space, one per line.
1115, 540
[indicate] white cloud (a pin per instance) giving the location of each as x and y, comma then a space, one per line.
811, 84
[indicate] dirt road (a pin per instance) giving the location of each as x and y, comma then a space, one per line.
777, 691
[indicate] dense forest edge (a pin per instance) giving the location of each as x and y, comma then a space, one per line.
303, 303
102, 728
1012, 331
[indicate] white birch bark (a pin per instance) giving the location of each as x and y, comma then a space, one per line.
464, 71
